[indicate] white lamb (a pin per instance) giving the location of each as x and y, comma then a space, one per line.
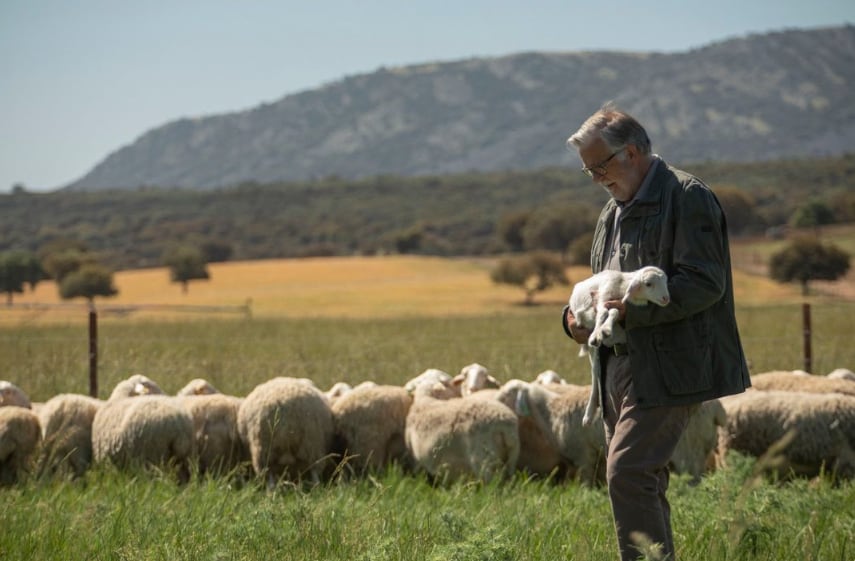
287, 425
459, 438
587, 304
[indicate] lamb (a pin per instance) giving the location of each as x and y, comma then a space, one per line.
786, 381
66, 422
138, 426
695, 453
474, 377
369, 426
808, 433
460, 438
287, 426
20, 435
218, 446
587, 304
558, 418
198, 386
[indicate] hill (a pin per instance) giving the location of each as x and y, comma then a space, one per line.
772, 96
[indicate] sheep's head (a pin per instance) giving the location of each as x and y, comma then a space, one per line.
648, 284
472, 378
10, 394
198, 386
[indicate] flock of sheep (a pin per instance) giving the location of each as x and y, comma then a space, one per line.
470, 426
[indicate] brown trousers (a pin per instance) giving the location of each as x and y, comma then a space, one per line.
639, 444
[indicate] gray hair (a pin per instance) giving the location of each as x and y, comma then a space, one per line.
615, 127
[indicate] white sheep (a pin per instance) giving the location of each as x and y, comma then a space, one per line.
287, 426
10, 394
587, 304
807, 433
434, 376
474, 377
143, 428
548, 377
695, 453
558, 419
841, 374
459, 438
787, 381
219, 448
198, 386
369, 426
19, 438
66, 421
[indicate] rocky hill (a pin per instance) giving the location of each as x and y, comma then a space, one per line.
760, 97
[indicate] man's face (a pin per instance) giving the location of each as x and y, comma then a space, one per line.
619, 172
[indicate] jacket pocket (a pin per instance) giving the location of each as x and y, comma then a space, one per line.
684, 353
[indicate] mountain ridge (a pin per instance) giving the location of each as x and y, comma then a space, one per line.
753, 98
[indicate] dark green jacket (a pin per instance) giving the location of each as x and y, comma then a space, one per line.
688, 351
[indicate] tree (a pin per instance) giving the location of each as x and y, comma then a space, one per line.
185, 263
89, 281
534, 272
510, 228
553, 228
579, 250
739, 209
806, 259
811, 215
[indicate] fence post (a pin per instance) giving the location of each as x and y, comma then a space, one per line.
93, 350
806, 335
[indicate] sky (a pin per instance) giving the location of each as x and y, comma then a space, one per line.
80, 79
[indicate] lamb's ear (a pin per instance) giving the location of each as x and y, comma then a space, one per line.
633, 289
457, 380
492, 382
521, 406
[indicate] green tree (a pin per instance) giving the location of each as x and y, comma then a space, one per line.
533, 272
510, 229
88, 281
811, 215
739, 209
186, 263
553, 228
579, 251
13, 274
806, 259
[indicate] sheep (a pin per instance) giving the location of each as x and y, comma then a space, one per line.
587, 304
460, 438
219, 448
66, 422
434, 376
287, 425
198, 386
695, 453
786, 381
805, 433
137, 425
474, 377
841, 374
10, 394
548, 377
369, 426
558, 418
20, 435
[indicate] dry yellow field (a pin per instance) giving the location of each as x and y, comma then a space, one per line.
391, 286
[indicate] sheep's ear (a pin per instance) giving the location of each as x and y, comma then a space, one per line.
633, 289
492, 382
457, 380
521, 406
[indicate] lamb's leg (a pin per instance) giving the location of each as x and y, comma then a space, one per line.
594, 398
601, 320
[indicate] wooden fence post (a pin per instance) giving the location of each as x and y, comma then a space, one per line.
93, 350
806, 337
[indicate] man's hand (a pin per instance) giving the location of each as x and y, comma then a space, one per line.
616, 305
579, 333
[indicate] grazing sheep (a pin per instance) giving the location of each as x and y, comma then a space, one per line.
558, 418
587, 304
198, 386
695, 453
337, 390
549, 377
19, 437
786, 381
369, 426
10, 394
434, 376
460, 438
287, 426
219, 448
66, 421
841, 374
137, 426
809, 433
472, 378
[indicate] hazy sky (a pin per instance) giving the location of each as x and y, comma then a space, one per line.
79, 79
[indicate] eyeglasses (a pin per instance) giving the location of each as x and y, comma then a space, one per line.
600, 169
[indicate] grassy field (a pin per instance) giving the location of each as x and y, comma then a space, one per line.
383, 320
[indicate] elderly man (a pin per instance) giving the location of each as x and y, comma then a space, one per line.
676, 356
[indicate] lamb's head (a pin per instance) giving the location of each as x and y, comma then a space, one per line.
135, 385
10, 394
474, 377
648, 284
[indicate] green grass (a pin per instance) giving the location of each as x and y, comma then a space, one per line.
731, 515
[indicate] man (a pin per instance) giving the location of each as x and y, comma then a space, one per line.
675, 356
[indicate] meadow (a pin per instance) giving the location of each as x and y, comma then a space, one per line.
385, 320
